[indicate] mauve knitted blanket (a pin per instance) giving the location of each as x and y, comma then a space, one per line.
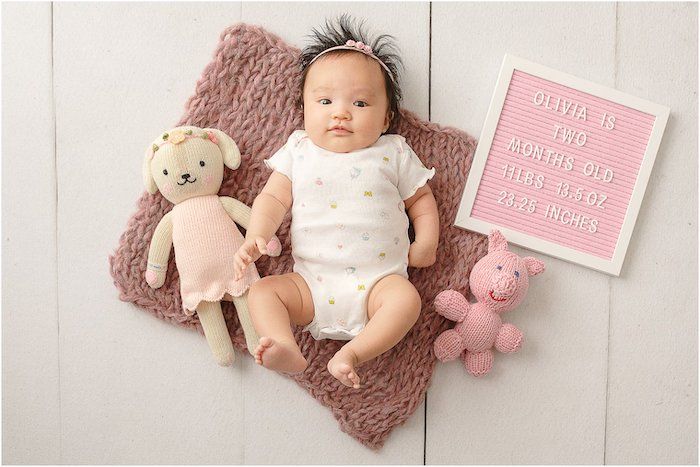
249, 91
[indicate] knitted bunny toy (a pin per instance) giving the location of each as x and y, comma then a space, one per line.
499, 281
186, 165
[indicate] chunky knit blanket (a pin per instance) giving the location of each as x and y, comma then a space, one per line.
249, 91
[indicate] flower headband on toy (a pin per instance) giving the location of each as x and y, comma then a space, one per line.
178, 136
357, 47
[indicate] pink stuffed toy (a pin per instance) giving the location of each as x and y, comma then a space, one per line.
499, 281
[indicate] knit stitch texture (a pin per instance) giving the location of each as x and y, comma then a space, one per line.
249, 91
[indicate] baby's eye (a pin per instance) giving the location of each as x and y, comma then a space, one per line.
499, 267
165, 172
201, 163
360, 103
517, 274
324, 101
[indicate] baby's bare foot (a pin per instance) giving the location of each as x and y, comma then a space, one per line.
342, 367
279, 356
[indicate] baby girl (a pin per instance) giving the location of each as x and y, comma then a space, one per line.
349, 185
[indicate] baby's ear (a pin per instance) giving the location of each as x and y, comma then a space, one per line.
148, 180
387, 120
229, 150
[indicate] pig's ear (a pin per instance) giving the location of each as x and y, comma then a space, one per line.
534, 266
497, 242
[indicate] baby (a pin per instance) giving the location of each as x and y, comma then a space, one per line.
349, 185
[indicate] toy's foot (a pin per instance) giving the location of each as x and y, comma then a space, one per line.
225, 358
279, 356
478, 363
448, 346
342, 367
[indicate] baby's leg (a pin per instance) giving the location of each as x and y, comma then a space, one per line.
276, 302
393, 308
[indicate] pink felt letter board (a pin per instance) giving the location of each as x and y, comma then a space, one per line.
562, 165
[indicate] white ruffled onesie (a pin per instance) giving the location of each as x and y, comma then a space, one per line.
349, 224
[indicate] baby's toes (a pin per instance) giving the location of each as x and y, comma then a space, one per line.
346, 374
352, 378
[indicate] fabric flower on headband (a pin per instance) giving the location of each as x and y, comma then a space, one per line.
360, 46
178, 136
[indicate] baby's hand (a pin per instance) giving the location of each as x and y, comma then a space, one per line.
421, 255
249, 252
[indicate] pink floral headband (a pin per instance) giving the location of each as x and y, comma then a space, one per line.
178, 136
358, 47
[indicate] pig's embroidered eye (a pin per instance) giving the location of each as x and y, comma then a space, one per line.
165, 172
201, 163
499, 267
517, 274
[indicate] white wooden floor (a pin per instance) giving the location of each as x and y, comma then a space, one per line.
609, 370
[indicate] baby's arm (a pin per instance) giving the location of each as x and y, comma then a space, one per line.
240, 214
269, 209
423, 212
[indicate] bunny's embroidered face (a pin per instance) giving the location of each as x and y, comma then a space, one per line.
189, 161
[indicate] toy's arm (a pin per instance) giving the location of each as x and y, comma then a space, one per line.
423, 212
452, 305
241, 213
159, 252
509, 339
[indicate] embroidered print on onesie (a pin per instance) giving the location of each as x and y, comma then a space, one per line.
349, 224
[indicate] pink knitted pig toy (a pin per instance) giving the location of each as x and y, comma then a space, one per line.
499, 281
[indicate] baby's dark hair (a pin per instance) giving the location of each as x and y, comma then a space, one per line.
343, 29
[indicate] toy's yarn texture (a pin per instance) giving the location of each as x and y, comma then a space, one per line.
249, 92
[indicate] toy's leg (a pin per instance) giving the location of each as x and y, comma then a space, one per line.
478, 363
251, 337
448, 346
393, 307
509, 339
216, 332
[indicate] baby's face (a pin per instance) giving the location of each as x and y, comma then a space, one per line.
345, 103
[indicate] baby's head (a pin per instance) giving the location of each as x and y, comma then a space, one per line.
349, 87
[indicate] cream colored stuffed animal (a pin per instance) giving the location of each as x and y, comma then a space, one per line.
186, 165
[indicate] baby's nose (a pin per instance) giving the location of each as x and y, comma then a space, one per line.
341, 114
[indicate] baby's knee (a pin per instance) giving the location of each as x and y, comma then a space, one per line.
407, 297
413, 301
261, 289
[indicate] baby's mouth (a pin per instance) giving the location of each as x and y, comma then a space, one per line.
186, 181
496, 298
339, 130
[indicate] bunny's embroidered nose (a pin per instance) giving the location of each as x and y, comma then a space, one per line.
185, 176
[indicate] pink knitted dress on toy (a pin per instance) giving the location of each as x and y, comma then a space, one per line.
205, 239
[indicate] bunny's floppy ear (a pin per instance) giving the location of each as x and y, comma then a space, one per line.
232, 156
148, 180
497, 242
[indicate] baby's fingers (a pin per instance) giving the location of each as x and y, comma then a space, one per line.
261, 244
239, 264
245, 256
